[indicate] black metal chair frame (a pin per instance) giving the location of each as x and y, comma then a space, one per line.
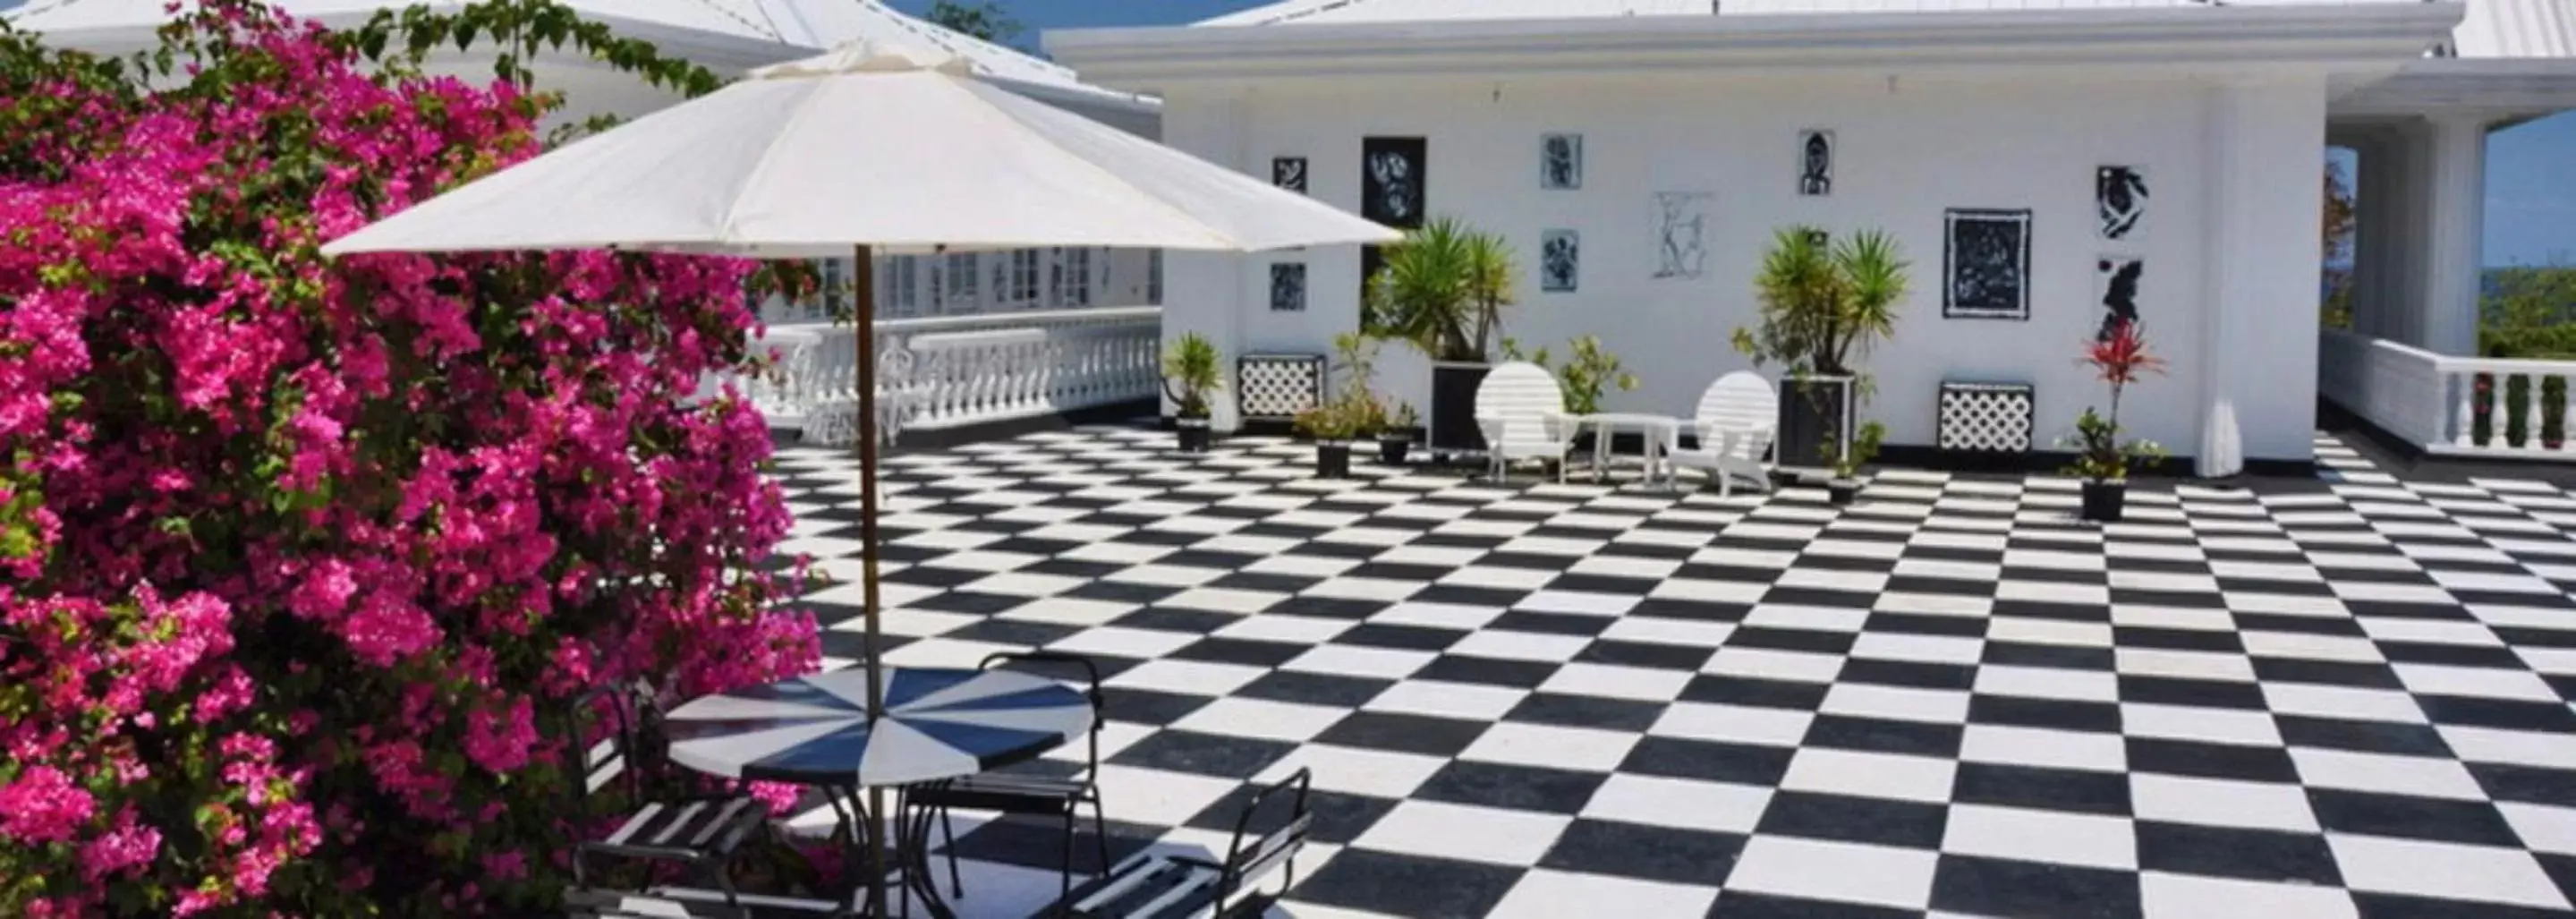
1173, 885
1065, 801
708, 849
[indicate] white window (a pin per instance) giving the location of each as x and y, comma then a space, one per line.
1154, 278
1023, 289
1072, 278
835, 295
904, 287
963, 269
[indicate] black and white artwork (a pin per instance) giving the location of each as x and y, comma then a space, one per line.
1560, 161
1821, 239
1681, 233
1288, 287
2115, 285
1815, 163
1289, 172
2120, 196
1560, 261
1986, 264
1392, 173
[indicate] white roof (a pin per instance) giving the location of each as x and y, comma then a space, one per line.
805, 26
2518, 28
2494, 28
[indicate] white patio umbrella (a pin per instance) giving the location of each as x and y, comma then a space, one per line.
870, 148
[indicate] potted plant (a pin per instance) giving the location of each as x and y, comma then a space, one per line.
1395, 437
1332, 425
1442, 291
1191, 373
1845, 485
1823, 305
2102, 459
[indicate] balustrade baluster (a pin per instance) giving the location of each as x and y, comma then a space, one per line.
2530, 411
2465, 418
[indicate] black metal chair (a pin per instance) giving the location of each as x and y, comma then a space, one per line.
1151, 885
1023, 794
695, 830
690, 903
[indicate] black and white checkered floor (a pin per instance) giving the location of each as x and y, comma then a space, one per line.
2351, 696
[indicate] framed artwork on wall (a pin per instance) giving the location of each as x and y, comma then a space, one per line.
1985, 259
1289, 172
2115, 286
1288, 287
1815, 163
1394, 172
1681, 233
2120, 198
1560, 161
1560, 261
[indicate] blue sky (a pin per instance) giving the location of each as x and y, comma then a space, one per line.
2531, 202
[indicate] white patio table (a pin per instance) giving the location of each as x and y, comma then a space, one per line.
1655, 429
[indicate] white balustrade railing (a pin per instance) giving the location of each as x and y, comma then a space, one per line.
951, 371
2471, 406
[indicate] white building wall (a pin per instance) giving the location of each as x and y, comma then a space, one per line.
1906, 150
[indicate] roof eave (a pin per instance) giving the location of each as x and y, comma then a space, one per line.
2323, 34
2496, 89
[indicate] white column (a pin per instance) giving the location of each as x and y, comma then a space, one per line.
2258, 341
1203, 291
2454, 234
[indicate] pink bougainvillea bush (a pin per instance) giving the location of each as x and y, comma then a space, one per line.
299, 558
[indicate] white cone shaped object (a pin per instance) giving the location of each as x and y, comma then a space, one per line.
2222, 451
897, 147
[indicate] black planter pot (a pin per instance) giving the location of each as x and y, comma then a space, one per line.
1391, 450
1194, 434
1332, 459
1809, 408
2103, 501
1453, 409
1842, 491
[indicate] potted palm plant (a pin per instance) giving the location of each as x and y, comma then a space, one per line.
1395, 437
2102, 459
1442, 291
1845, 486
1332, 425
1823, 305
1192, 372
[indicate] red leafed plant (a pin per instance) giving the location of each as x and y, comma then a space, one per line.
2121, 357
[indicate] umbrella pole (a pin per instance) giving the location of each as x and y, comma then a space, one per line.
862, 341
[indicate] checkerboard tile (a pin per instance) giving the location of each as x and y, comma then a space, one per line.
2352, 695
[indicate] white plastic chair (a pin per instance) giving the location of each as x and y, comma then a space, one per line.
1736, 420
1521, 410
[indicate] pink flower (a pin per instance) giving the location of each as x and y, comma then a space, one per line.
124, 847
43, 806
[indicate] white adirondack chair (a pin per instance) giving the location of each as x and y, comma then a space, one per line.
1521, 410
1737, 418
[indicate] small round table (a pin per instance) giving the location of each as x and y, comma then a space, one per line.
939, 723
